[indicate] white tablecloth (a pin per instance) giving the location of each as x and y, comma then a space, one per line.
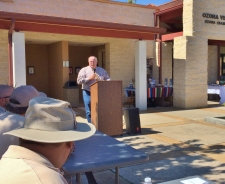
220, 90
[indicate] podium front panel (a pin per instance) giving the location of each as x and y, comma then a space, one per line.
106, 107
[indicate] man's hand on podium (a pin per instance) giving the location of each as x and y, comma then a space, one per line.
98, 78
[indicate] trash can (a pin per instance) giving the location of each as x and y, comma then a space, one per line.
71, 93
70, 84
132, 120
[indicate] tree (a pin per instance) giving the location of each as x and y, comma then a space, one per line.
131, 1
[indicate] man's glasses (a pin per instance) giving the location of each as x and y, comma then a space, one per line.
6, 97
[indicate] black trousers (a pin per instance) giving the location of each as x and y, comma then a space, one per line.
90, 177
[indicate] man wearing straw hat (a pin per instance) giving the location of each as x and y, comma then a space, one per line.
46, 140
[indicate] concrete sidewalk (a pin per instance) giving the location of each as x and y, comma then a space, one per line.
179, 142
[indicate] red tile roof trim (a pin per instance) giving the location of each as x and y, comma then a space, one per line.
170, 5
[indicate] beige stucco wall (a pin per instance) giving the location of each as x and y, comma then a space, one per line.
78, 57
37, 56
58, 75
84, 10
167, 49
4, 66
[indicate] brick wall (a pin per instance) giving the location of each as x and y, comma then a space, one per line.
190, 72
194, 23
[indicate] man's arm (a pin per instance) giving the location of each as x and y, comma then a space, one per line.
106, 76
82, 78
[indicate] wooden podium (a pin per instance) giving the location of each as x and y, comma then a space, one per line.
106, 107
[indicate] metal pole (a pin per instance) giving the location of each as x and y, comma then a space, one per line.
117, 175
78, 178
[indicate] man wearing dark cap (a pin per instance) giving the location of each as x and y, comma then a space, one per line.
19, 99
5, 92
11, 117
46, 140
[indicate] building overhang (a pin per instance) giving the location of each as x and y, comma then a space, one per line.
48, 24
170, 37
216, 42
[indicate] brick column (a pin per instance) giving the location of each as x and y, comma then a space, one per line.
190, 72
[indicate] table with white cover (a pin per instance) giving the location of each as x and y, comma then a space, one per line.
219, 90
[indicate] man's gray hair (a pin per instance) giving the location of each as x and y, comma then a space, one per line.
93, 57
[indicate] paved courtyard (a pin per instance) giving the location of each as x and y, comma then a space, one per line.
179, 143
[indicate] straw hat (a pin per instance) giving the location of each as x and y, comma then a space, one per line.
50, 120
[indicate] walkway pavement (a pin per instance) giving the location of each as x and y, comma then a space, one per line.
179, 142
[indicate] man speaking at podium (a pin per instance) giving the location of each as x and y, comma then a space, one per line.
87, 76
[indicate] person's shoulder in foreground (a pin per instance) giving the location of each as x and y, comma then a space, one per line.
20, 165
46, 140
9, 121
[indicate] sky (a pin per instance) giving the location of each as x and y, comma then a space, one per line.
146, 2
